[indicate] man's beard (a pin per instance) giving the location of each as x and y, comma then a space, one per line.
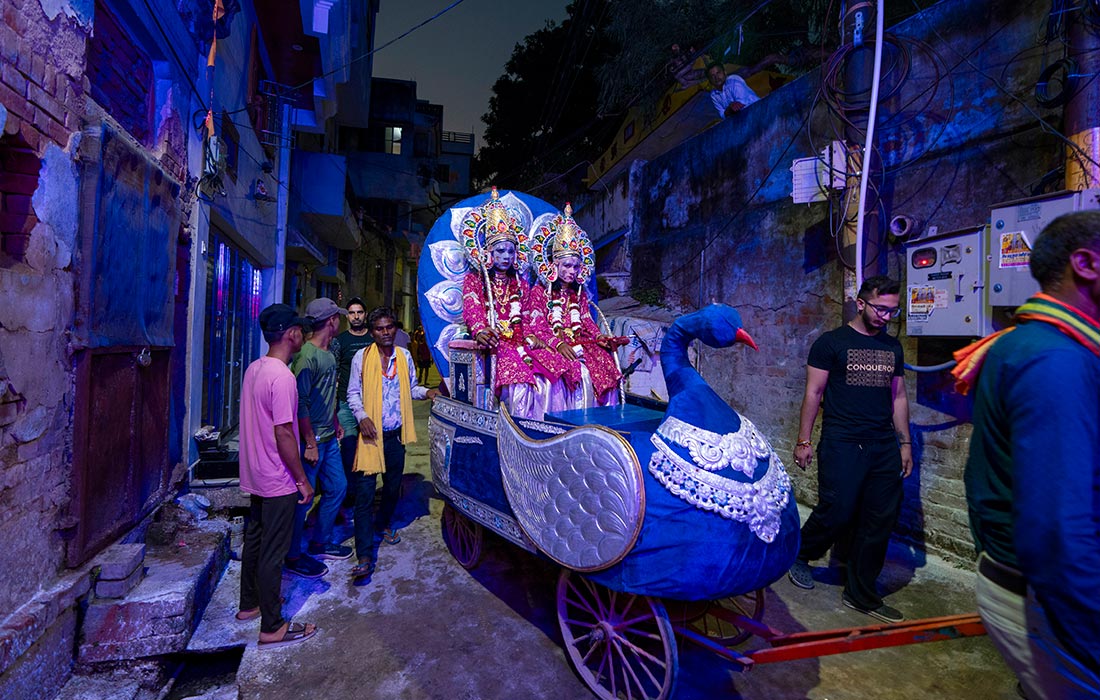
357, 326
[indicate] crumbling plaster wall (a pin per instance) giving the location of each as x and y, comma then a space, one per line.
42, 91
714, 222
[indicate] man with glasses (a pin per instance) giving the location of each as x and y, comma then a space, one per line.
856, 374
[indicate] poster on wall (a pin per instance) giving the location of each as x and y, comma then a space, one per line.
1015, 250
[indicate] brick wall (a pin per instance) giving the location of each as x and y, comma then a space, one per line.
42, 95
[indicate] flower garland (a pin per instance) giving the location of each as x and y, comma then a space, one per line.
511, 289
557, 314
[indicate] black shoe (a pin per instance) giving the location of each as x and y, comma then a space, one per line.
883, 612
801, 575
305, 566
329, 551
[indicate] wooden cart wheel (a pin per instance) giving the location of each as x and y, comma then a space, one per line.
463, 537
714, 622
621, 644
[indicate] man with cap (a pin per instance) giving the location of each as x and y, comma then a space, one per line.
320, 431
271, 472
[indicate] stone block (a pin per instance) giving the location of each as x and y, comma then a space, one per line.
119, 561
159, 614
119, 588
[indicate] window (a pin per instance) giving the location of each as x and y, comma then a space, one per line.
392, 140
325, 289
231, 336
232, 141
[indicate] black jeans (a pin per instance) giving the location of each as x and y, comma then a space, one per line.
364, 485
859, 487
266, 543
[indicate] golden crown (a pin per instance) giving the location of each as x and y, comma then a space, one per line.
500, 225
567, 238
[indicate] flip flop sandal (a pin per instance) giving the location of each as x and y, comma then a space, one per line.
295, 632
362, 570
390, 536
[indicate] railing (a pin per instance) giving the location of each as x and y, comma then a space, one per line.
458, 137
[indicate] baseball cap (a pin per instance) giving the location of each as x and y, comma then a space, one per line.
278, 317
323, 308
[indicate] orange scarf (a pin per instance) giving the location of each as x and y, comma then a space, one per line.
1041, 307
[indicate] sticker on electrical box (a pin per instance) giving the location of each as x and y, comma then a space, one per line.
941, 298
922, 299
1015, 250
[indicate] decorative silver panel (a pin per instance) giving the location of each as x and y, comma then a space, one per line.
484, 422
579, 496
442, 436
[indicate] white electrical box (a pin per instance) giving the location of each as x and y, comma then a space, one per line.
1013, 228
944, 291
811, 178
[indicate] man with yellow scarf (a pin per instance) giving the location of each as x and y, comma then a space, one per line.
381, 389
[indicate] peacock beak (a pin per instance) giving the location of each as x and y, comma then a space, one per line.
744, 337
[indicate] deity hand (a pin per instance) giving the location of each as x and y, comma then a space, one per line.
611, 342
566, 351
487, 339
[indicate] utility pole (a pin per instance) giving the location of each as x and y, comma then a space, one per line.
1082, 114
857, 31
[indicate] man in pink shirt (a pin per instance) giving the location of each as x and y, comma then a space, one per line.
271, 471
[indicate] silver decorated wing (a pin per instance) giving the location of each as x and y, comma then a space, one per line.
578, 496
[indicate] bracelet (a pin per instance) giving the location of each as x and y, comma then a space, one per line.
904, 442
299, 483
803, 443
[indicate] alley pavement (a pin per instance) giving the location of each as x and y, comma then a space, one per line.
422, 627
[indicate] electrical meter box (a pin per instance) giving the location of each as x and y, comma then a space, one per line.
1013, 228
944, 293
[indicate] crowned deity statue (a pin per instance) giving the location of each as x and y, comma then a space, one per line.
558, 315
493, 295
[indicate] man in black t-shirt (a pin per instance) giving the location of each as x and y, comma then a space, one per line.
344, 347
856, 374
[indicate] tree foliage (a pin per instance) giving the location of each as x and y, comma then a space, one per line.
542, 115
567, 87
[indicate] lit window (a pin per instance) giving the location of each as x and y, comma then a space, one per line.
393, 140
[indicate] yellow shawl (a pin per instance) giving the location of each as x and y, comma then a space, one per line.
368, 455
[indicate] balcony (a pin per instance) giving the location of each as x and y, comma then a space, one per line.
318, 200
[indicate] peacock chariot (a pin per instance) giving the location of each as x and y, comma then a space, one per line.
658, 515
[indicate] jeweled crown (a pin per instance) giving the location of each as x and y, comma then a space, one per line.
567, 239
499, 224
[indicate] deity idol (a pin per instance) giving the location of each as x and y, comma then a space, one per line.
558, 315
492, 307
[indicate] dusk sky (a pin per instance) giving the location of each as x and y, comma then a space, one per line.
456, 58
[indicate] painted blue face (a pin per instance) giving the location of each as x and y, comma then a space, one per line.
502, 255
568, 268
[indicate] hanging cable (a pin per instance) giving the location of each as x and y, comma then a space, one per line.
868, 154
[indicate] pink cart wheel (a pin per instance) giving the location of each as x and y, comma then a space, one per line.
463, 537
621, 644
